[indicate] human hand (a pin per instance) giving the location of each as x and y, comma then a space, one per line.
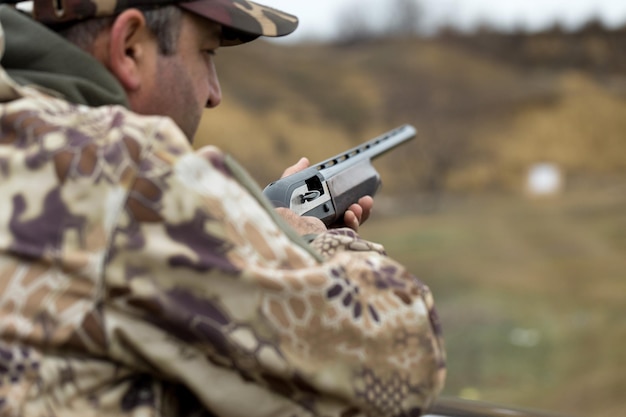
303, 225
358, 213
354, 216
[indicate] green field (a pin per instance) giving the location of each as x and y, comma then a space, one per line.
531, 293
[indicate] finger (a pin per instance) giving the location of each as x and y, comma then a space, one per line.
303, 163
357, 210
350, 220
367, 204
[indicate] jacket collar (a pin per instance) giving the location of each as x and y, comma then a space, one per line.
35, 56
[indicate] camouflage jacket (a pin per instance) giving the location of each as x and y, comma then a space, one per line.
139, 277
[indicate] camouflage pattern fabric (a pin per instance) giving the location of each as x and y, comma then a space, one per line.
141, 278
243, 20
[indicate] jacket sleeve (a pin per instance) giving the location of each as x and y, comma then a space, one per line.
204, 286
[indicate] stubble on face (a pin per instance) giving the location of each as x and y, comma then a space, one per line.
176, 93
185, 82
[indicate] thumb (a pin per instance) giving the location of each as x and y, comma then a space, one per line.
303, 163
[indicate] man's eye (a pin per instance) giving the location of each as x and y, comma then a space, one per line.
211, 52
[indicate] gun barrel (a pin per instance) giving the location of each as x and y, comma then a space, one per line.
370, 149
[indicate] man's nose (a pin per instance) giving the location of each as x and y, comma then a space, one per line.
215, 92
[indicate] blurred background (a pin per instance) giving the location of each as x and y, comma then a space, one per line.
510, 203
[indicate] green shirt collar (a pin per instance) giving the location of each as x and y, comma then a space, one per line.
36, 56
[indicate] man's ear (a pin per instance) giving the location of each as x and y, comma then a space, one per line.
129, 48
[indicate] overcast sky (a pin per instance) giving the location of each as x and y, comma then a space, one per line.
319, 18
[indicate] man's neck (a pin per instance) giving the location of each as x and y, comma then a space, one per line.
36, 56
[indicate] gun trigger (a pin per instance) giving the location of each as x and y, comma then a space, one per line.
309, 196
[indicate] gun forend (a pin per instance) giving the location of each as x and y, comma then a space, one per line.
327, 189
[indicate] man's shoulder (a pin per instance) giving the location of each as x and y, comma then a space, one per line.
57, 143
67, 167
37, 119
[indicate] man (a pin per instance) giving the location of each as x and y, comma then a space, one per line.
138, 277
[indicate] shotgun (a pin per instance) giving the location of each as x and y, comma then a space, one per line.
327, 189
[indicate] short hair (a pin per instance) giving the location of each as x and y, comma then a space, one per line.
163, 22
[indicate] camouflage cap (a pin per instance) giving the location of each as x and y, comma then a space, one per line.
242, 20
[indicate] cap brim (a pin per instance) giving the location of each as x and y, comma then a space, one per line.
242, 20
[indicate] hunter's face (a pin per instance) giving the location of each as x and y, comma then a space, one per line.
186, 82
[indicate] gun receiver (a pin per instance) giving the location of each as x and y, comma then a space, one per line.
327, 189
